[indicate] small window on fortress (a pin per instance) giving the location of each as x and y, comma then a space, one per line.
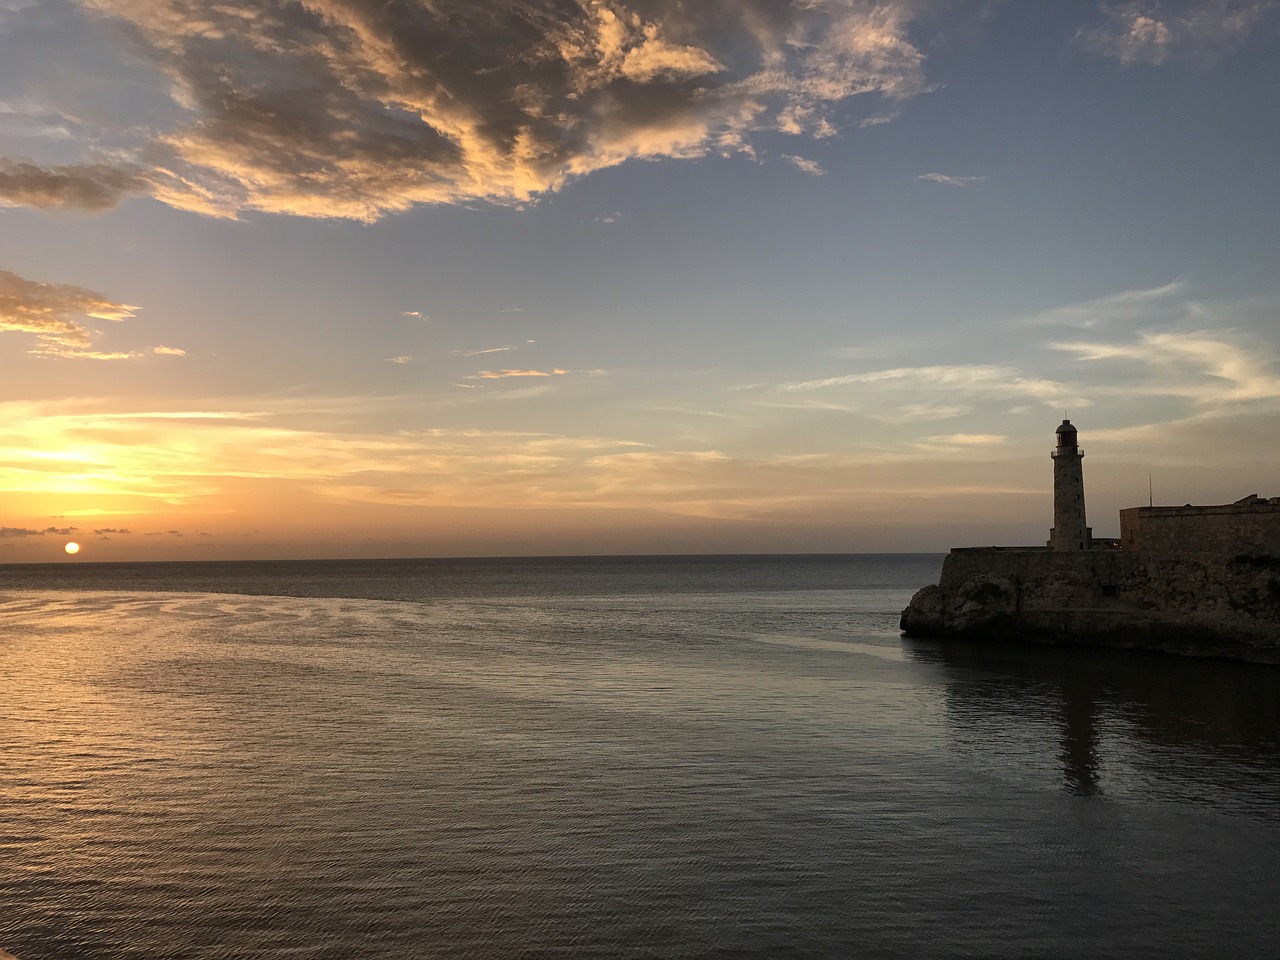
1108, 590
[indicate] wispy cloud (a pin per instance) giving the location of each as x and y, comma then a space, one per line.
1204, 367
479, 353
1152, 31
951, 180
1128, 306
504, 374
977, 380
913, 412
216, 460
968, 439
811, 167
878, 120
184, 457
1206, 436
225, 462
337, 108
52, 313
20, 123
400, 359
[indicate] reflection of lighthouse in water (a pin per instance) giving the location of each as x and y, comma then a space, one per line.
1079, 745
1069, 531
1115, 717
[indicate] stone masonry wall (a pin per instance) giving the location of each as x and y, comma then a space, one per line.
1223, 532
1045, 577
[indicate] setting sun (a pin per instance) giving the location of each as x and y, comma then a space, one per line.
72, 547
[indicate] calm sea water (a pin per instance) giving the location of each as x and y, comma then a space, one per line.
657, 757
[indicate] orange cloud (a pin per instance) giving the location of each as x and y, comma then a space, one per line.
503, 374
49, 312
90, 186
343, 108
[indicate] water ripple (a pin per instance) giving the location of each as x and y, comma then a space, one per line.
645, 773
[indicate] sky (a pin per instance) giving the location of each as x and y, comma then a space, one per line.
346, 278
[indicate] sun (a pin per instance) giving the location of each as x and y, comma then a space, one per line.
72, 547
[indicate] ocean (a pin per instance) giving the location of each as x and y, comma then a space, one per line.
608, 757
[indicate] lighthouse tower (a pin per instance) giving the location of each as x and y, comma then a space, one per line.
1069, 531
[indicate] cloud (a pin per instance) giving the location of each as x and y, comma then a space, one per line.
811, 167
968, 439
347, 108
13, 533
400, 359
49, 311
91, 187
73, 354
195, 456
1152, 31
1127, 306
1203, 366
977, 380
1139, 356
950, 180
478, 353
272, 457
912, 412
503, 374
163, 351
1204, 439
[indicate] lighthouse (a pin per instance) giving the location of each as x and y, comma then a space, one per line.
1069, 531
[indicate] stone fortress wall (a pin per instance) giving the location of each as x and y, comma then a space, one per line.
1067, 577
1247, 527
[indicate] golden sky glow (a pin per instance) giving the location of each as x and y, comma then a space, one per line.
331, 278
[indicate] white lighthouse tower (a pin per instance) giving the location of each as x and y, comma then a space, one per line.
1069, 531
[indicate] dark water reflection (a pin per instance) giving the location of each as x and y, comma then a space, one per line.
1123, 720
